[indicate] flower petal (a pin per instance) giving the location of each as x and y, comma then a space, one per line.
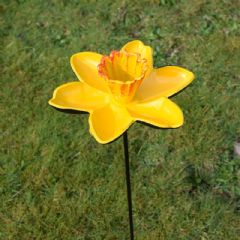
109, 122
78, 96
160, 112
84, 64
164, 82
137, 46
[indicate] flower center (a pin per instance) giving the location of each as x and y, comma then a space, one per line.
123, 72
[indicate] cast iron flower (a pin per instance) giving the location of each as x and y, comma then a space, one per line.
122, 88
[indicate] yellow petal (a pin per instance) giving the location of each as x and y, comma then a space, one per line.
109, 122
137, 46
78, 96
85, 66
160, 112
164, 81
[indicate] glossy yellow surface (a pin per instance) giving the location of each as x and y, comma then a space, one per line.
122, 88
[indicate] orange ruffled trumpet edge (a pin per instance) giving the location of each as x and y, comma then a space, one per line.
122, 88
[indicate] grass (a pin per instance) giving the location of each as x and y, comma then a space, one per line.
57, 182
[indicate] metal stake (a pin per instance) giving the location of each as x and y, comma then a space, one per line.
128, 182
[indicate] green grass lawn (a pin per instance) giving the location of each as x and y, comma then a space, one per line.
57, 182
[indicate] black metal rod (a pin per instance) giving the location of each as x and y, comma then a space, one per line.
128, 182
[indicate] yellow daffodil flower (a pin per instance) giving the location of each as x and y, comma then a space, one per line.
122, 88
